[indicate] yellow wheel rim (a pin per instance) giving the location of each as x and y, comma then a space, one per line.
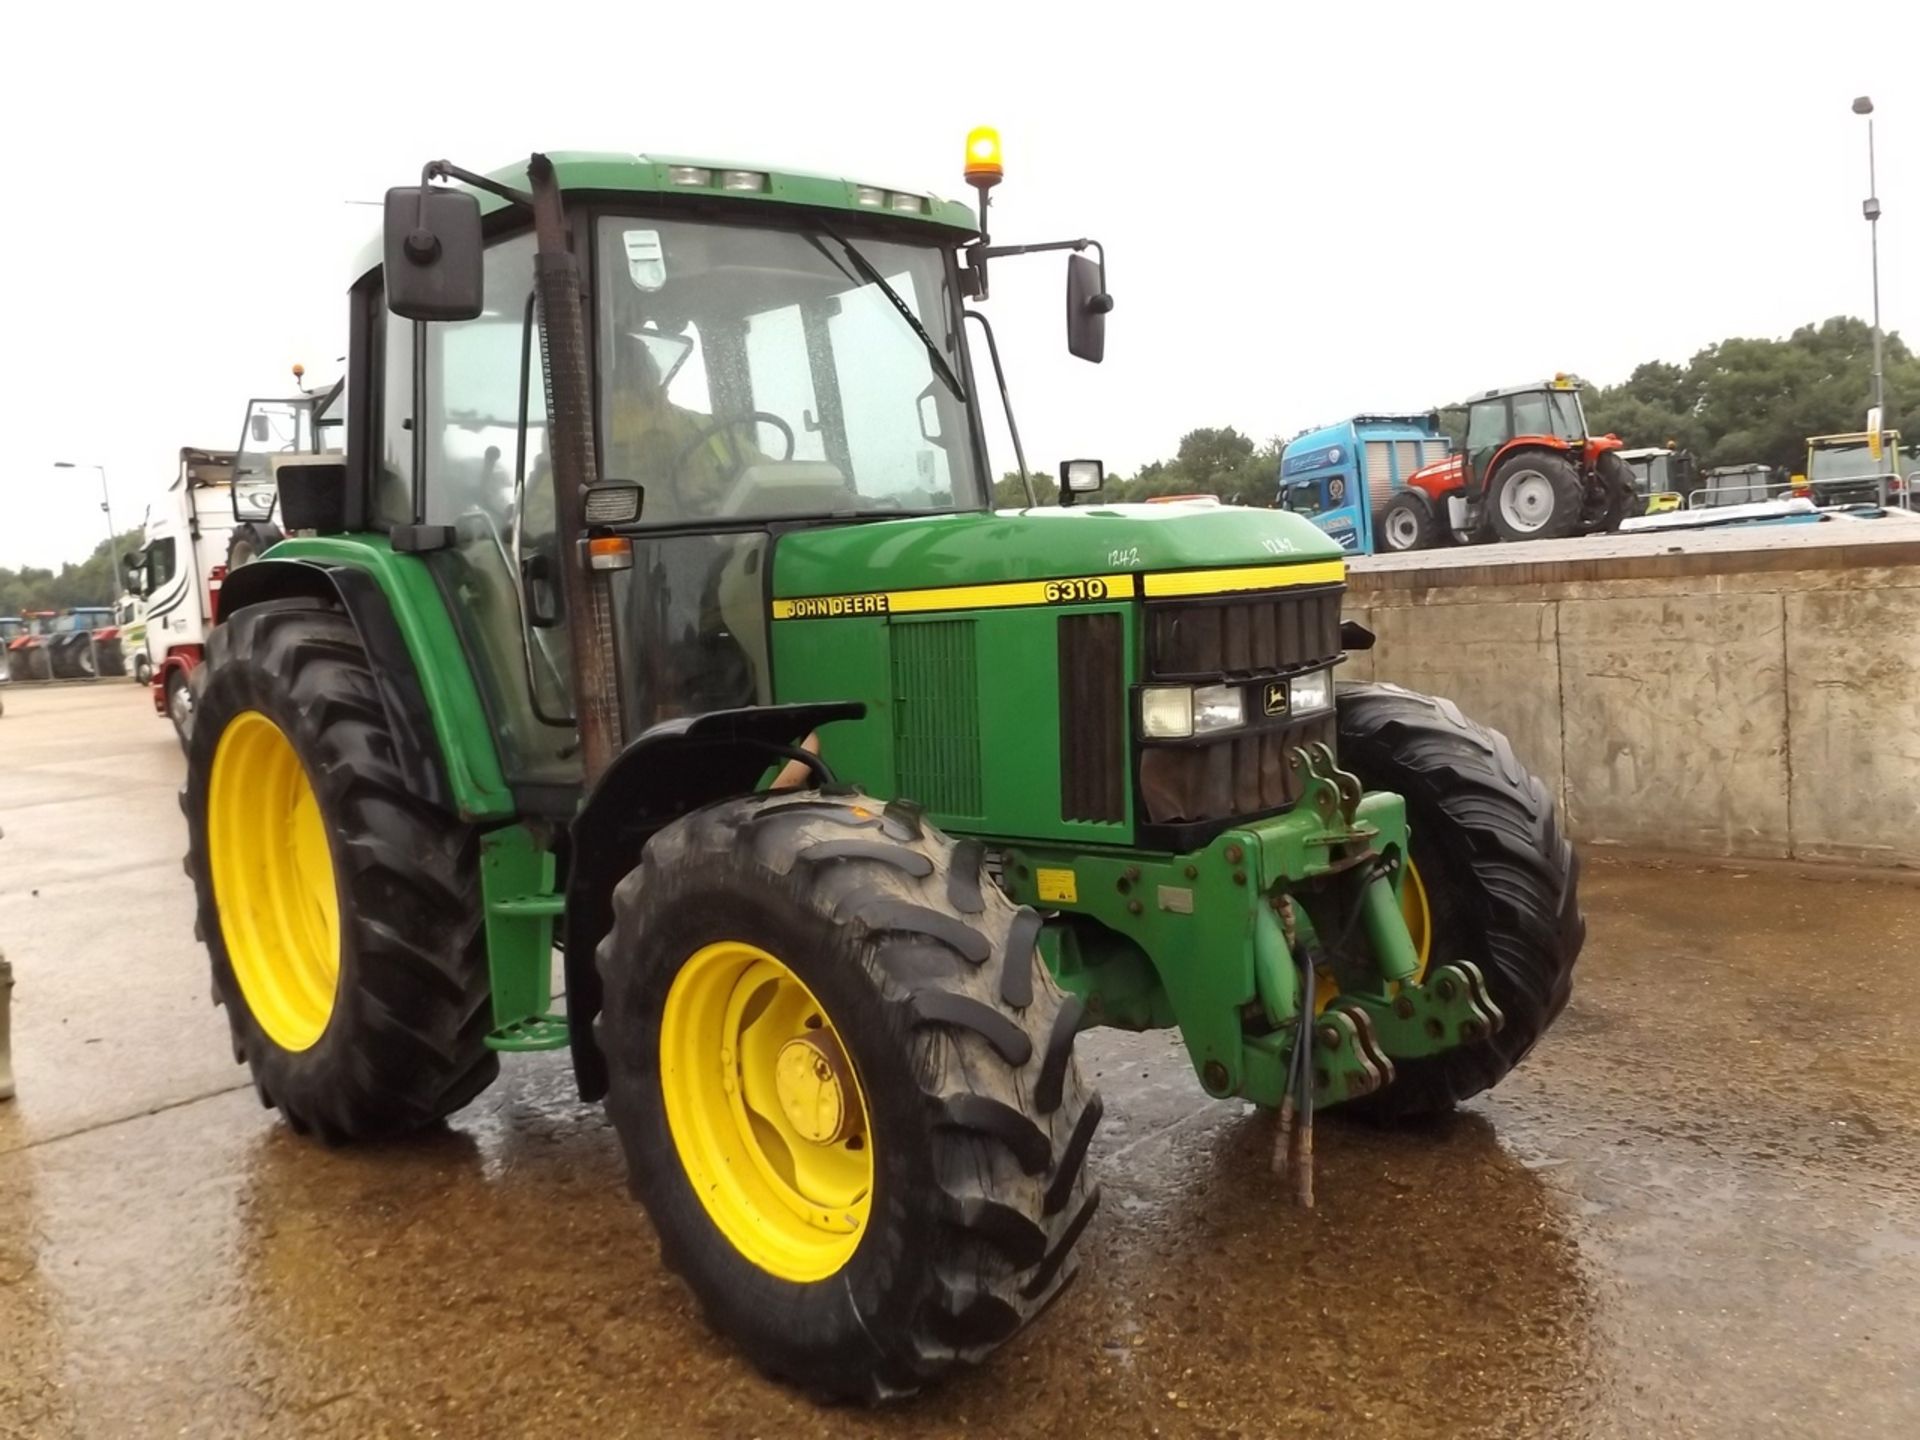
766, 1111
1413, 905
273, 881
1419, 918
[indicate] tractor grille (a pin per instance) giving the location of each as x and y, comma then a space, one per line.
1245, 774
1213, 639
1093, 718
936, 708
1250, 640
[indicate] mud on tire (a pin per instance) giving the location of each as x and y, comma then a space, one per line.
1501, 878
962, 1045
405, 1043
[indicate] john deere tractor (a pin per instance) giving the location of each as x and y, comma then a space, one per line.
657, 613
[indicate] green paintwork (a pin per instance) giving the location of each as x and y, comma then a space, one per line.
614, 173
1015, 759
1204, 923
459, 720
979, 547
517, 889
1451, 1008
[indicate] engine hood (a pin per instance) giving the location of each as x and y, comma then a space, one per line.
1044, 544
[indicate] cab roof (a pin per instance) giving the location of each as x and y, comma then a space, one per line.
609, 172
1570, 383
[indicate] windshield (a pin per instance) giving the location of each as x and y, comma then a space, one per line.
1569, 423
753, 374
1303, 497
1845, 462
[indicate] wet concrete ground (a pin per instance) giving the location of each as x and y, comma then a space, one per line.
1695, 1210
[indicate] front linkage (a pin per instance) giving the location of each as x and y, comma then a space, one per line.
1281, 932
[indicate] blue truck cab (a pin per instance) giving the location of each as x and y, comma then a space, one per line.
1342, 477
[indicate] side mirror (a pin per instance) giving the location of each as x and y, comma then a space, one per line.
433, 253
130, 571
1087, 307
260, 428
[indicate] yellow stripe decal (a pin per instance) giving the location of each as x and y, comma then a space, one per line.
1070, 590
1260, 577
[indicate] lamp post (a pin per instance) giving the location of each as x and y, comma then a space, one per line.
106, 504
1870, 207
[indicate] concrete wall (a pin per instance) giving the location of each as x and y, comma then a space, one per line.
1741, 703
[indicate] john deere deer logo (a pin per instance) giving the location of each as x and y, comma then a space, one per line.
1276, 697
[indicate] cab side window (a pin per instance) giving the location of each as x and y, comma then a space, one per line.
494, 486
1487, 425
160, 565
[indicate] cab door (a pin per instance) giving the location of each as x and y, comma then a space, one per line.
1489, 426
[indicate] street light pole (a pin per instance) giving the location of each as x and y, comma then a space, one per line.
1863, 105
113, 535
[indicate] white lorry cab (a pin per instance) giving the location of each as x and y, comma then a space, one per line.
182, 560
217, 515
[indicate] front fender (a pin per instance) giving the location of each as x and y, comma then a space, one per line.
421, 739
674, 768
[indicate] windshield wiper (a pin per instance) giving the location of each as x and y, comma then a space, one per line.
873, 277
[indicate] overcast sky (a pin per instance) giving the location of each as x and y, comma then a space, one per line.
1307, 210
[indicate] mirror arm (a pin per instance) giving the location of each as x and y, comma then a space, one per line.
447, 170
989, 252
1006, 403
422, 246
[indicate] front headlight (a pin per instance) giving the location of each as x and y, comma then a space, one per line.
1178, 712
1166, 712
1218, 707
1311, 691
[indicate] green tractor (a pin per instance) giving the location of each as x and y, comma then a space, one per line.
657, 613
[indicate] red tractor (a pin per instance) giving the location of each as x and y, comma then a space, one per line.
1529, 471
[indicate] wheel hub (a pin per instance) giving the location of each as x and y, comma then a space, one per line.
810, 1081
1528, 501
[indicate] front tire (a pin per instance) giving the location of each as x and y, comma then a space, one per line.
180, 702
1536, 495
250, 540
1408, 523
1500, 879
341, 912
1623, 499
924, 1204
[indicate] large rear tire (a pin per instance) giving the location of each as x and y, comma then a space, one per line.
1536, 495
1500, 879
924, 1204
341, 912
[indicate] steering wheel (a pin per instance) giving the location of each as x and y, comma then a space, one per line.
723, 425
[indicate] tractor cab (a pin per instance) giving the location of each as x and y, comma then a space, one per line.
308, 423
1663, 477
1845, 470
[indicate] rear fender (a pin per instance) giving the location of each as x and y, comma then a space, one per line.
674, 768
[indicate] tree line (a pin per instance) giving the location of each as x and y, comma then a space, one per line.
90, 582
1739, 401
